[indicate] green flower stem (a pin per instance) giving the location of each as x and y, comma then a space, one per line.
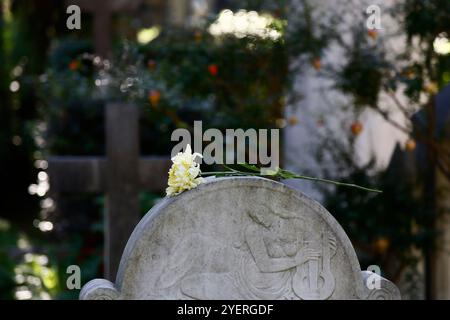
341, 184
235, 173
230, 173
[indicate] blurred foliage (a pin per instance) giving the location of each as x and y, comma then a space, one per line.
180, 77
389, 230
361, 77
229, 81
392, 229
395, 229
426, 19
8, 242
186, 75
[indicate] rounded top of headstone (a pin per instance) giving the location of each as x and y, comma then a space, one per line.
239, 238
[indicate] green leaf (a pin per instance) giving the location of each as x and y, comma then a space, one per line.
250, 167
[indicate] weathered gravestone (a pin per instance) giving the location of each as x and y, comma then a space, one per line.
239, 238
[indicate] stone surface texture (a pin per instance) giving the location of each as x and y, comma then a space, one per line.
239, 238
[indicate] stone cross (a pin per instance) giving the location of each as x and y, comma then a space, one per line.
102, 11
240, 238
122, 174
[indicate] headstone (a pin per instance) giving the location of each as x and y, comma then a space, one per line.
240, 238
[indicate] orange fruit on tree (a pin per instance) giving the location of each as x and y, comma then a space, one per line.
410, 144
356, 127
373, 33
317, 64
151, 64
198, 36
381, 245
74, 65
293, 120
213, 69
410, 74
154, 96
431, 88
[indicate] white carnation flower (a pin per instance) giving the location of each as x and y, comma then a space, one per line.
184, 173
